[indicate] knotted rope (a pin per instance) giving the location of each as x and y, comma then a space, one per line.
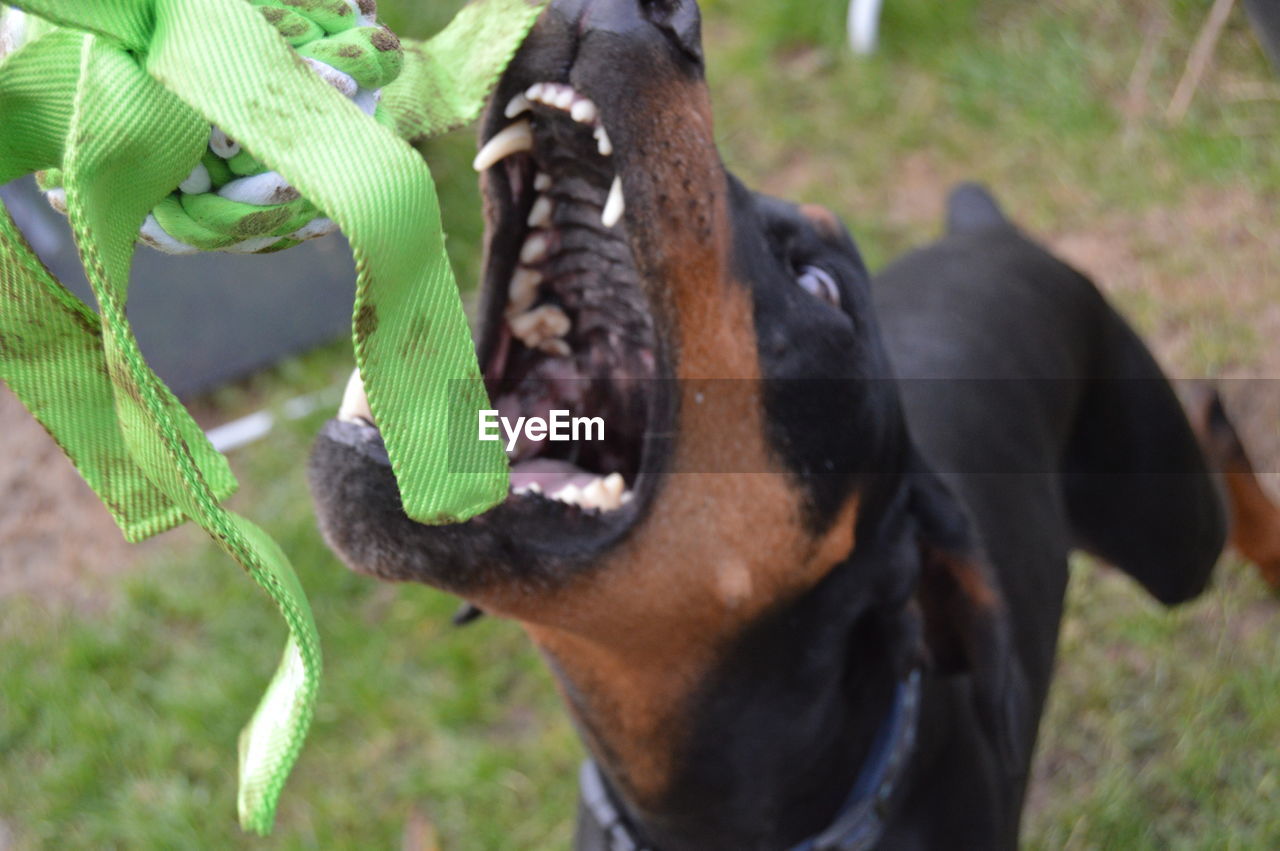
232, 202
116, 101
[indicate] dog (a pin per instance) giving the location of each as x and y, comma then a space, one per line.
805, 593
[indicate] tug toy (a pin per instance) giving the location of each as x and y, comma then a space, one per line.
244, 126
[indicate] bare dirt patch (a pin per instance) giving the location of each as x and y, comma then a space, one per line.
58, 544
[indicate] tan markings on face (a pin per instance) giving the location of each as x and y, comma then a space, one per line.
636, 638
827, 223
733, 583
725, 538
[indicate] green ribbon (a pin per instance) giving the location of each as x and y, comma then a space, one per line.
120, 98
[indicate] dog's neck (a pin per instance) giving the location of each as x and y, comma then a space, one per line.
767, 742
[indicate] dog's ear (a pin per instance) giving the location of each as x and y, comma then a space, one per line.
966, 626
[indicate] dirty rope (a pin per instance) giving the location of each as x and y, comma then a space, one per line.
116, 99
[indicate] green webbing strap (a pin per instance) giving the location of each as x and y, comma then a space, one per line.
446, 80
121, 101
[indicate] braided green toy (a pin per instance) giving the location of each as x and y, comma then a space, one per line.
243, 126
232, 202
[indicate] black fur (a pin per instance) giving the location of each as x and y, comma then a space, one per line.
983, 401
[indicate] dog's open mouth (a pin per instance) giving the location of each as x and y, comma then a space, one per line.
565, 325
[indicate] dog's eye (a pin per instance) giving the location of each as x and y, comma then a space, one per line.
818, 282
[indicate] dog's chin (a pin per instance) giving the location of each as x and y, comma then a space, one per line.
529, 538
565, 325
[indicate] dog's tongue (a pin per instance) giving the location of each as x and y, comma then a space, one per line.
549, 474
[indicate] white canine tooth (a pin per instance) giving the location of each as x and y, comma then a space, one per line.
615, 485
514, 139
599, 494
532, 487
615, 206
536, 91
517, 105
556, 348
355, 403
534, 249
540, 214
542, 181
544, 323
603, 141
584, 112
523, 292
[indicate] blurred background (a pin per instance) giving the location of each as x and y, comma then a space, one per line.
126, 672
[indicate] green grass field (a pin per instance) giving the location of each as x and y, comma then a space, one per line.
118, 721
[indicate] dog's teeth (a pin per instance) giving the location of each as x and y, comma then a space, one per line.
542, 181
540, 214
584, 112
539, 325
532, 487
604, 143
556, 348
355, 403
569, 495
513, 140
593, 495
552, 94
523, 292
600, 495
615, 206
534, 249
518, 105
615, 486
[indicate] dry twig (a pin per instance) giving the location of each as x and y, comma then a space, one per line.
1198, 61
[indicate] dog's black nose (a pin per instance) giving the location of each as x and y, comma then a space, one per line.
677, 20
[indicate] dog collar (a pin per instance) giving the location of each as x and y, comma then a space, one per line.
861, 821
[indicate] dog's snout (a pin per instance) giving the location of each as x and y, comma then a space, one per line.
679, 21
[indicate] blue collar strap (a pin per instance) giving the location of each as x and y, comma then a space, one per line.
859, 825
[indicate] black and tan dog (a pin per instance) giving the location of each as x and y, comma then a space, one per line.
806, 592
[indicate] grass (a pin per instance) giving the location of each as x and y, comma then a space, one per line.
1159, 728
119, 730
118, 725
